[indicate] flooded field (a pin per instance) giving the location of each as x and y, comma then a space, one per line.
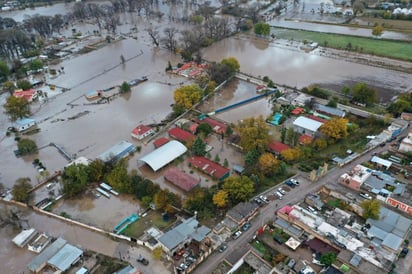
295, 68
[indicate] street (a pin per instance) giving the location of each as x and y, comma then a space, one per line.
267, 213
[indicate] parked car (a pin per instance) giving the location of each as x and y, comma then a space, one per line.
258, 201
282, 191
142, 260
246, 226
365, 195
264, 198
404, 252
236, 234
222, 248
290, 183
295, 182
183, 266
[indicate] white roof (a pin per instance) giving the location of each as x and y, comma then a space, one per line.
163, 155
307, 123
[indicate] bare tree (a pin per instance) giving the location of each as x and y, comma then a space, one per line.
154, 34
169, 41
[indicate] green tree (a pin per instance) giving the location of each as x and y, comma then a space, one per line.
371, 209
363, 94
96, 170
239, 189
251, 157
232, 63
254, 134
399, 106
200, 199
262, 28
124, 87
4, 70
290, 136
23, 84
16, 108
9, 87
36, 65
187, 96
75, 180
377, 31
328, 258
204, 129
21, 189
27, 146
119, 179
228, 131
199, 147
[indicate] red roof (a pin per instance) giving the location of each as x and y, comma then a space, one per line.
305, 139
209, 167
316, 118
297, 111
181, 179
160, 142
277, 147
218, 127
140, 130
26, 94
180, 134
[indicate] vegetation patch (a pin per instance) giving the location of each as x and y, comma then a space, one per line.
387, 48
153, 218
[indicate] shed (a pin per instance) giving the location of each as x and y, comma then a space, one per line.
25, 124
381, 162
65, 257
118, 151
40, 261
24, 237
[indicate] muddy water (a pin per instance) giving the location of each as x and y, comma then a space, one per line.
295, 68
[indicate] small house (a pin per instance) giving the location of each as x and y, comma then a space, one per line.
141, 131
25, 124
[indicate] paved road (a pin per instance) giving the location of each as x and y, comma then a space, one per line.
266, 213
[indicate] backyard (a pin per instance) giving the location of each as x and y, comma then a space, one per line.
153, 218
387, 48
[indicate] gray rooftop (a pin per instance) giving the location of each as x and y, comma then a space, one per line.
391, 222
65, 257
117, 150
355, 260
241, 210
330, 110
288, 228
163, 155
40, 260
189, 228
392, 241
379, 180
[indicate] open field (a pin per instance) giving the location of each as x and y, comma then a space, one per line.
389, 24
386, 48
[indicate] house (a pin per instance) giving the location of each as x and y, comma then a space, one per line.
29, 95
329, 111
141, 131
240, 214
297, 111
217, 126
181, 134
406, 144
355, 178
181, 179
301, 100
209, 167
277, 147
24, 124
181, 235
305, 125
406, 116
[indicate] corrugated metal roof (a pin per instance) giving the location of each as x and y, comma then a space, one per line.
116, 150
392, 241
330, 110
163, 155
65, 257
40, 261
307, 123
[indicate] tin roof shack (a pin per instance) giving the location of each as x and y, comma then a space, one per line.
24, 237
117, 152
25, 124
65, 257
176, 238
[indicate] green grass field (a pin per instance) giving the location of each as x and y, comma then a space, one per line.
153, 218
387, 48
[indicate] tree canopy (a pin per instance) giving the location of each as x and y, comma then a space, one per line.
220, 199
16, 108
75, 180
118, 177
26, 146
4, 70
328, 258
124, 87
254, 133
268, 164
204, 129
262, 28
371, 209
363, 94
187, 96
239, 189
336, 128
232, 63
21, 189
199, 147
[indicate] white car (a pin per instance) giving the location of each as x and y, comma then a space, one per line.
279, 195
365, 195
264, 198
282, 191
